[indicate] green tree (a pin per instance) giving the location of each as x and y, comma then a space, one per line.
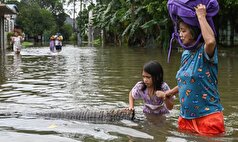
138, 22
107, 17
39, 17
142, 22
228, 15
56, 8
35, 20
67, 32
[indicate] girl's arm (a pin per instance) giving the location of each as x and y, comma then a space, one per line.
131, 102
167, 99
168, 94
22, 38
172, 92
169, 102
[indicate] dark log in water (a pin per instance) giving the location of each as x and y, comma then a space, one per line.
92, 115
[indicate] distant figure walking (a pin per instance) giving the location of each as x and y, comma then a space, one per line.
52, 44
56, 42
17, 39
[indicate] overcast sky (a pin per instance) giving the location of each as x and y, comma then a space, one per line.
70, 8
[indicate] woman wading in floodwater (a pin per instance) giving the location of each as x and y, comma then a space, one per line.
201, 109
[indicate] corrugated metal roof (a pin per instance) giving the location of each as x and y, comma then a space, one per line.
13, 7
5, 9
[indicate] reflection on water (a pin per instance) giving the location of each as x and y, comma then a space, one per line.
100, 131
96, 78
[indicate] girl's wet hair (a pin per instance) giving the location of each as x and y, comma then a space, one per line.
156, 71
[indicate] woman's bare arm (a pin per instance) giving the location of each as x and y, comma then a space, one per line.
207, 32
131, 102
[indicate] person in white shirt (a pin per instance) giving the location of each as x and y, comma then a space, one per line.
17, 42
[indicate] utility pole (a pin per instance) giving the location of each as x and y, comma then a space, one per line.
79, 39
74, 18
90, 27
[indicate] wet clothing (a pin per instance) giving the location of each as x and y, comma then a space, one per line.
58, 44
152, 104
212, 124
52, 45
58, 47
197, 83
17, 44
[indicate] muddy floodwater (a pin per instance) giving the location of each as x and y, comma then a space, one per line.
97, 78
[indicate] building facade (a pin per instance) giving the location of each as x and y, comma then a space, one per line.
7, 20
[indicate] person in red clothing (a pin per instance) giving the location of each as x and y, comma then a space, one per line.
201, 109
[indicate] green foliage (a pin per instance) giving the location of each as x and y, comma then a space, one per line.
73, 38
136, 20
67, 31
82, 21
27, 44
133, 21
38, 17
9, 35
97, 42
35, 20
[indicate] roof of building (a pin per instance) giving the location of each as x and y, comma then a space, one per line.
8, 9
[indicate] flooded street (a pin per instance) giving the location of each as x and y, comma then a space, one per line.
96, 78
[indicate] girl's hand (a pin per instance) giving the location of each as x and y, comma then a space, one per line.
131, 108
168, 93
160, 94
